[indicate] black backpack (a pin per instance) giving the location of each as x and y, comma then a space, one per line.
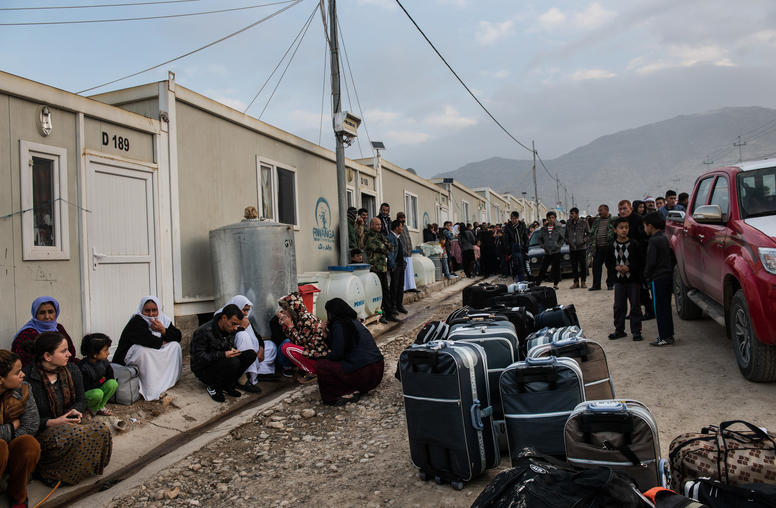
538, 481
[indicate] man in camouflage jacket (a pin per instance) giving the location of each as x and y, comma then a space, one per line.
377, 248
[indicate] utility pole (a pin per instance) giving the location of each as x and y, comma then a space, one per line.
536, 192
739, 145
557, 191
342, 198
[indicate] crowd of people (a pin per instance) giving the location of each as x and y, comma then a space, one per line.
49, 399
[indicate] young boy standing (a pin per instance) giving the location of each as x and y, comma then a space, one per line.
625, 255
658, 270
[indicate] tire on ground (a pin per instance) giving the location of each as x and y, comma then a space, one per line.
757, 361
685, 308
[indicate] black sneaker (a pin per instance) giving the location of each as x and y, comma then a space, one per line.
647, 316
215, 394
593, 288
637, 337
402, 310
287, 372
663, 342
383, 319
393, 319
232, 392
270, 378
617, 335
249, 388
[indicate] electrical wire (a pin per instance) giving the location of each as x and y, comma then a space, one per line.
355, 91
461, 80
323, 90
282, 59
128, 4
143, 18
262, 20
291, 59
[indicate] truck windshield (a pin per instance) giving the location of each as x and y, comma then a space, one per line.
757, 192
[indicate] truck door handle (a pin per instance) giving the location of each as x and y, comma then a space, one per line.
701, 237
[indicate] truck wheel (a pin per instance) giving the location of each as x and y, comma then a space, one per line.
757, 361
685, 307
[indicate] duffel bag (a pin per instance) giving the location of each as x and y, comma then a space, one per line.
129, 384
715, 494
734, 457
538, 481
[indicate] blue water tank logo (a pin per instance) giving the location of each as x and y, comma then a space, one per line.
323, 235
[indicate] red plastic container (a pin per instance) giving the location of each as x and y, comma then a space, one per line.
307, 292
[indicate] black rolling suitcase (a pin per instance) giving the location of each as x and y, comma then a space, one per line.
545, 296
538, 395
521, 319
480, 295
557, 317
447, 405
526, 300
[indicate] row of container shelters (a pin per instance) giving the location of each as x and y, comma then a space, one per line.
112, 197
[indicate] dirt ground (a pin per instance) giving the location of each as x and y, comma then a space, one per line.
358, 455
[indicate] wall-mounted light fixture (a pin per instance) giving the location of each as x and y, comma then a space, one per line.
45, 125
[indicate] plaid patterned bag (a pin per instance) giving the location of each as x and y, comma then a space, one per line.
734, 457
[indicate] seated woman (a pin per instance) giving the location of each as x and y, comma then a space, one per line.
71, 448
19, 450
152, 343
45, 311
305, 335
354, 365
263, 369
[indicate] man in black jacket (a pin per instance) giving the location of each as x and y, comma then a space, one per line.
636, 232
658, 269
214, 359
516, 237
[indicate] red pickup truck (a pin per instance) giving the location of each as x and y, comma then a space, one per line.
725, 251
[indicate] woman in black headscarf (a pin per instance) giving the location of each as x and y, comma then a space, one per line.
354, 364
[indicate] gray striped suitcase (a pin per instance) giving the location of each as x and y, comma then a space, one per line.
537, 396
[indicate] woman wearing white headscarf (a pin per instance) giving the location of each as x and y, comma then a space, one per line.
152, 343
263, 369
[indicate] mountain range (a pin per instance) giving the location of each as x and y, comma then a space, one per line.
634, 163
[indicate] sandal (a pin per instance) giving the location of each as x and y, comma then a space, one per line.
307, 378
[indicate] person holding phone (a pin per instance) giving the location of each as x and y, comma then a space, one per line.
72, 448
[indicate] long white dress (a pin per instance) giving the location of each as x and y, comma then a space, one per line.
159, 369
245, 340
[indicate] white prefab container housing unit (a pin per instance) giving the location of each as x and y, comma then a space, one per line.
465, 204
84, 206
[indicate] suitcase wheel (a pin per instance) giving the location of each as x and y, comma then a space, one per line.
457, 485
423, 476
438, 480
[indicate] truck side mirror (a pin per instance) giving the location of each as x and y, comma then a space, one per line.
708, 214
675, 216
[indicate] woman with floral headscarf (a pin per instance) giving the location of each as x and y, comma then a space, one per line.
45, 311
152, 343
305, 334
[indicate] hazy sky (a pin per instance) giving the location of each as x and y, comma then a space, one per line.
561, 73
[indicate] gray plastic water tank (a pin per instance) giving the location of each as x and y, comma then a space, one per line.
255, 259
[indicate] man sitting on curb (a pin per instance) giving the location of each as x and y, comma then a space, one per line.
214, 359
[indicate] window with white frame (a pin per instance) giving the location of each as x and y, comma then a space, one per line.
464, 210
351, 197
43, 174
411, 209
277, 192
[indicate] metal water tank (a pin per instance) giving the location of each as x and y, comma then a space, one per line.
255, 259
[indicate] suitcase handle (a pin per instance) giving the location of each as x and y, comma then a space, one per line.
606, 406
570, 341
545, 360
477, 412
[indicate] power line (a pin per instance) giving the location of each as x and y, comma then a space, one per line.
128, 4
355, 91
282, 59
461, 80
288, 64
262, 20
143, 18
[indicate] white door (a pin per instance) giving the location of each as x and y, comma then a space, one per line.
122, 242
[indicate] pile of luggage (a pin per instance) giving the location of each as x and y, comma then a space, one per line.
512, 372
